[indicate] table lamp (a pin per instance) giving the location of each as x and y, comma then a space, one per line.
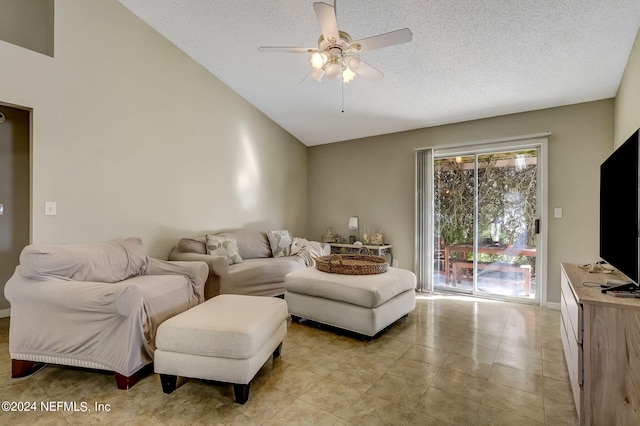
354, 224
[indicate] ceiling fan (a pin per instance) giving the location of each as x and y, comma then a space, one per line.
337, 54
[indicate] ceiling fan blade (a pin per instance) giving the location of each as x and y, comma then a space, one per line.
382, 40
327, 20
286, 49
369, 72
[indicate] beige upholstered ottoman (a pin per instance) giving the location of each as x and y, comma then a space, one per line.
227, 339
364, 304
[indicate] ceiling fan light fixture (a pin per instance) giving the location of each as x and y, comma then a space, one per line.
347, 75
337, 54
318, 60
333, 70
353, 62
317, 74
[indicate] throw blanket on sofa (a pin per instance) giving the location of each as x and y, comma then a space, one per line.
308, 250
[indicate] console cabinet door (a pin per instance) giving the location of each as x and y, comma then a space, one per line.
612, 365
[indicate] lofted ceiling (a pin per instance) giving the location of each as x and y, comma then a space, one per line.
468, 59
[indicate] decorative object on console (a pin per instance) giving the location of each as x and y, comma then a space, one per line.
223, 246
329, 237
377, 238
280, 242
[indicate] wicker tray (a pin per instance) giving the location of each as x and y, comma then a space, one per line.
352, 264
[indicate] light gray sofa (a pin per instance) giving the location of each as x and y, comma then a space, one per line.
95, 305
258, 273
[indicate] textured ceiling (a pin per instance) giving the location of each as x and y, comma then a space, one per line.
469, 59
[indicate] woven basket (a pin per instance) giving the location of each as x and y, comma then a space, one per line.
352, 264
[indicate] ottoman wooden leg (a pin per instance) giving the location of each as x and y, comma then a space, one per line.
241, 392
278, 350
168, 382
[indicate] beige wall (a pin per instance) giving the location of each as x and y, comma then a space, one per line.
131, 137
28, 23
374, 178
627, 105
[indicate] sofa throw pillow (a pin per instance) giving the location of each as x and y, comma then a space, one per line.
223, 246
280, 242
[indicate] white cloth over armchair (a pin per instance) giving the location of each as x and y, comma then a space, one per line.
95, 305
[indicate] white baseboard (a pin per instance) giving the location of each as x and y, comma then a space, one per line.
4, 313
553, 305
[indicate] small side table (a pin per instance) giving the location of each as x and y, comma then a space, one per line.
383, 250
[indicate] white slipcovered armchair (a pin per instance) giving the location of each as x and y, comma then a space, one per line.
95, 305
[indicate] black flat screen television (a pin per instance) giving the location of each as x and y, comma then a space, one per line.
620, 209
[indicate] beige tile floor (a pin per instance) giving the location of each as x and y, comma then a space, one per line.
453, 361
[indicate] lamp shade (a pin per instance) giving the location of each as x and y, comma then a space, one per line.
353, 222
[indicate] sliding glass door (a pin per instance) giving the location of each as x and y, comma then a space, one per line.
485, 222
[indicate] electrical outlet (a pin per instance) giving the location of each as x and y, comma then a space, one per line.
394, 263
50, 208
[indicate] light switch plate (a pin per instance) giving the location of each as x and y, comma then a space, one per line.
557, 212
50, 208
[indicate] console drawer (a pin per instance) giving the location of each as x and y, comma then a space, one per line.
570, 309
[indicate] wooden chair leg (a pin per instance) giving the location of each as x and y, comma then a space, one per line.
22, 368
241, 392
125, 382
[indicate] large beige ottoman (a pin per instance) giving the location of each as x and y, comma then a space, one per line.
227, 339
364, 304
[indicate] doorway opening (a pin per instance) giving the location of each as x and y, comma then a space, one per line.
479, 220
15, 191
